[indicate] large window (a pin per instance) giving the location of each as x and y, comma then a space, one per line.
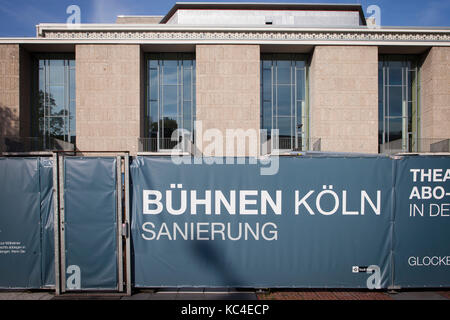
398, 104
284, 100
53, 106
170, 99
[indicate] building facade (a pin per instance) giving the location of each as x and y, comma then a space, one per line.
209, 76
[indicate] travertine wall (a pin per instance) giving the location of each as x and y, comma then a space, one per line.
228, 92
344, 98
9, 90
25, 92
435, 92
108, 97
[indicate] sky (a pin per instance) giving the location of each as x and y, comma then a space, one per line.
18, 18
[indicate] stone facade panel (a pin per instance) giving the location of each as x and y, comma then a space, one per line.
344, 98
227, 89
108, 97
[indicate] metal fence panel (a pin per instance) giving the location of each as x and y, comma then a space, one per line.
90, 223
47, 222
400, 240
20, 251
422, 222
315, 248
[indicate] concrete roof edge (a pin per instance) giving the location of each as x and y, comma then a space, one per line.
264, 5
119, 27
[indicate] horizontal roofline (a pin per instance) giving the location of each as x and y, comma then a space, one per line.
140, 16
41, 28
265, 6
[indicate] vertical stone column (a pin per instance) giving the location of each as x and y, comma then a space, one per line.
9, 90
435, 94
108, 97
25, 85
228, 95
344, 98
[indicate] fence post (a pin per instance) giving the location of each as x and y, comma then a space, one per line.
56, 223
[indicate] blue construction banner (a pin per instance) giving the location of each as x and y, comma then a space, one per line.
316, 222
47, 222
26, 223
422, 222
320, 222
90, 223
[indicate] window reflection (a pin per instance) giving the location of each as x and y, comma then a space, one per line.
398, 103
283, 99
170, 97
54, 100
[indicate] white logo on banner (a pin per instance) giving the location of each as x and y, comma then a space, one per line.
74, 280
374, 281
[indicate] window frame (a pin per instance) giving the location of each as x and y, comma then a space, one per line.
410, 99
69, 100
160, 58
295, 103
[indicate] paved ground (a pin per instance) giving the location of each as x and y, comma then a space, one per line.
231, 294
354, 295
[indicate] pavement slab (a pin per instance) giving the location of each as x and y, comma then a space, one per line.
235, 294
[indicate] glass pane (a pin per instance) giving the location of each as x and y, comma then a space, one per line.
72, 110
56, 127
187, 84
300, 63
169, 75
395, 132
267, 116
170, 102
299, 116
153, 84
72, 83
410, 116
187, 116
380, 112
395, 101
41, 77
395, 76
300, 84
41, 126
283, 64
411, 77
380, 84
396, 62
169, 126
267, 85
56, 71
187, 63
284, 100
170, 60
41, 103
153, 117
267, 64
72, 128
153, 63
285, 126
56, 101
380, 131
193, 98
284, 75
